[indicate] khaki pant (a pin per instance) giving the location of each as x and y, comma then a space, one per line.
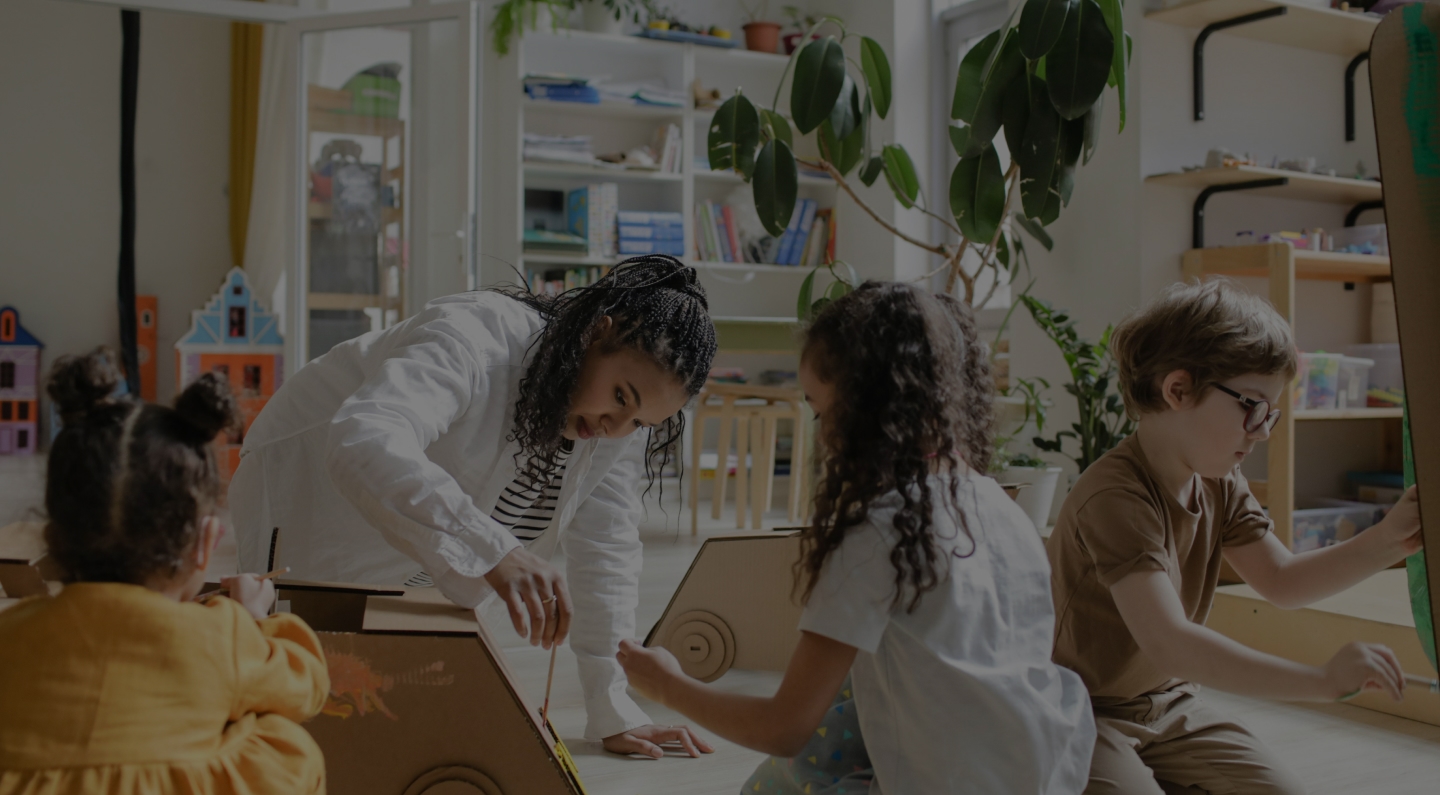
1171, 743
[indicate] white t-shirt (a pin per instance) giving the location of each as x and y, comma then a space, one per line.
959, 695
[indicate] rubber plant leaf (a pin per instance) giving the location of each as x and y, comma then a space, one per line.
1040, 25
876, 67
1080, 62
776, 184
819, 77
734, 134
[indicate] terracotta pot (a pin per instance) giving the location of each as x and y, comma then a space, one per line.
762, 36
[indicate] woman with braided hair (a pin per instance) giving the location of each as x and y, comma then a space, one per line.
460, 447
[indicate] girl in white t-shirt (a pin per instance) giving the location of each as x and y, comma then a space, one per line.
922, 581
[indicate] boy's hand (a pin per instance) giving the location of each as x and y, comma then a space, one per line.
255, 594
649, 670
1364, 666
1399, 531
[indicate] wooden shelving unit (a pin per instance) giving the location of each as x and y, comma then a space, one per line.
1306, 26
1282, 265
1308, 187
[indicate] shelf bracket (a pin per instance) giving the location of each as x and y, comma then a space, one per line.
1350, 94
1199, 51
1198, 222
1354, 214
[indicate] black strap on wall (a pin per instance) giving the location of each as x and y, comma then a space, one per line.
129, 92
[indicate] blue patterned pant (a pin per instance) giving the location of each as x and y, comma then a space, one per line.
834, 762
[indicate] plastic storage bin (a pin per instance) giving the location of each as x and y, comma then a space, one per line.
1354, 382
1331, 522
1386, 376
1367, 239
1316, 391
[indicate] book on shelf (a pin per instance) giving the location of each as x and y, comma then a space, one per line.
793, 239
653, 218
632, 248
590, 214
570, 92
732, 233
543, 240
819, 246
651, 232
554, 281
667, 147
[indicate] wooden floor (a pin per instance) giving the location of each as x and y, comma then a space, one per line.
1334, 748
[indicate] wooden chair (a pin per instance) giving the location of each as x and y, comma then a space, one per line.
755, 413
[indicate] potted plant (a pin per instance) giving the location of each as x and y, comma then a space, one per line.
1011, 467
608, 16
761, 35
1050, 118
801, 23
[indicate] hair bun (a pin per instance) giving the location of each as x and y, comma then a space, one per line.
208, 406
79, 384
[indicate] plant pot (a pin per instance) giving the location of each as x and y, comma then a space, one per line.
1034, 500
762, 36
599, 19
792, 41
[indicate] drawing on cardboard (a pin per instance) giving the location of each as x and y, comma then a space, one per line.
1405, 85
356, 686
735, 607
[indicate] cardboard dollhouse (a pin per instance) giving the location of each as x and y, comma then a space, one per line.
19, 386
236, 336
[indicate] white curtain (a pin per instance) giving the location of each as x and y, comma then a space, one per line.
269, 247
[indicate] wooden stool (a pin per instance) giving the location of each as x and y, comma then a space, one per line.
756, 412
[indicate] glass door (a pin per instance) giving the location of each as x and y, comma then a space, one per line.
386, 104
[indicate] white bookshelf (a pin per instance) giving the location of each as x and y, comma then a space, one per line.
736, 289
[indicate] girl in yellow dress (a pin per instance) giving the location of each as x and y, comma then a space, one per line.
123, 683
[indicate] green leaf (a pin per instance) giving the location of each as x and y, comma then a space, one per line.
852, 149
877, 73
1072, 144
1092, 128
982, 99
1113, 12
1002, 250
846, 113
1051, 210
837, 290
977, 196
776, 185
1040, 25
778, 126
900, 171
734, 134
872, 170
959, 139
1039, 152
968, 80
1034, 230
825, 139
1082, 60
1015, 112
802, 303
819, 76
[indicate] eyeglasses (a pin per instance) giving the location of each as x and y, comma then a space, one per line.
1257, 412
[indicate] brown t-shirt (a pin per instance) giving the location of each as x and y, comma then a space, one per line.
1118, 520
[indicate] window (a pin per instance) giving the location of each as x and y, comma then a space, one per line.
222, 369
7, 327
251, 378
22, 439
7, 375
7, 411
237, 321
24, 411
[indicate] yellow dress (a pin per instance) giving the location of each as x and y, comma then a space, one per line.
115, 689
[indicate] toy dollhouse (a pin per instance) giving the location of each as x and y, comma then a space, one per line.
19, 386
235, 336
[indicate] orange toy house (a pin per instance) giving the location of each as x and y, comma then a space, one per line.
236, 336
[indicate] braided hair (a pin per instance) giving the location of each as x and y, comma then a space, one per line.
128, 483
657, 307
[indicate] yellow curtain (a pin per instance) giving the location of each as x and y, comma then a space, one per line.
245, 53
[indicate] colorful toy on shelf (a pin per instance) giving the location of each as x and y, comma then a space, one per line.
19, 386
235, 336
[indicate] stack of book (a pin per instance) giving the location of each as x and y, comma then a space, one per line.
717, 239
809, 240
561, 88
558, 149
651, 233
590, 215
557, 281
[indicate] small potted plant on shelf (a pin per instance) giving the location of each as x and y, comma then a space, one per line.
608, 16
761, 35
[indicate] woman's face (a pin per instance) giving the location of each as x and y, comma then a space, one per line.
619, 391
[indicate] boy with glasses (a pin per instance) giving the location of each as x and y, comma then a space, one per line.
1137, 550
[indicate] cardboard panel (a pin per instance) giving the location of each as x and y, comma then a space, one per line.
25, 570
734, 607
1404, 64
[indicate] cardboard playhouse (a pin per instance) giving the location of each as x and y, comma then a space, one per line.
421, 700
234, 335
1395, 607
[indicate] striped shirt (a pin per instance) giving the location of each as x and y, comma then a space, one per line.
526, 506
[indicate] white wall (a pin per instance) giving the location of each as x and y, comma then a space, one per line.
60, 138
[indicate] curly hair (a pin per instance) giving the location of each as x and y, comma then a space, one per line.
657, 307
912, 391
128, 483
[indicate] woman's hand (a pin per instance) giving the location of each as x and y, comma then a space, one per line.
536, 594
649, 670
1364, 666
1399, 532
254, 594
652, 740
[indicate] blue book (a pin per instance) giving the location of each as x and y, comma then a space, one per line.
643, 218
675, 248
570, 93
802, 232
787, 240
651, 232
